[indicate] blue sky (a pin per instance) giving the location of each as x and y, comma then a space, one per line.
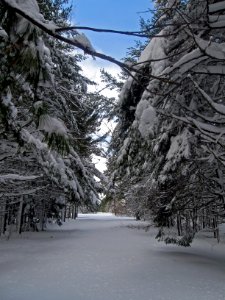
110, 14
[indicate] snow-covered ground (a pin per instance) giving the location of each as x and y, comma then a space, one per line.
103, 257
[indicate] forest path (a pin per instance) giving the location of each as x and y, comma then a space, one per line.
104, 258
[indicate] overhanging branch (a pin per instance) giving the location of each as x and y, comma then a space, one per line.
132, 33
87, 50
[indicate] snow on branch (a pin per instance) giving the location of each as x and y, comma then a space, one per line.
211, 70
217, 21
50, 29
24, 192
186, 63
81, 38
18, 177
215, 7
212, 49
55, 165
31, 10
209, 131
52, 125
208, 127
220, 108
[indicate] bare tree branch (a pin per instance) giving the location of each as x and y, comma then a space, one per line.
132, 33
143, 34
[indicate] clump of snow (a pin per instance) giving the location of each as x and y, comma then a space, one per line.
84, 41
123, 151
7, 101
126, 88
155, 54
52, 125
3, 33
56, 166
147, 121
38, 105
43, 50
142, 105
179, 148
46, 77
145, 116
31, 8
30, 139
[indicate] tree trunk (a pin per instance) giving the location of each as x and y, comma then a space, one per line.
20, 216
5, 217
42, 217
75, 210
179, 225
64, 214
216, 229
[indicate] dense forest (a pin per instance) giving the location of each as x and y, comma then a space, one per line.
166, 158
167, 150
47, 118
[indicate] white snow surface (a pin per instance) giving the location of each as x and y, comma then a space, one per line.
103, 257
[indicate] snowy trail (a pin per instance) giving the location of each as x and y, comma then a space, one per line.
101, 258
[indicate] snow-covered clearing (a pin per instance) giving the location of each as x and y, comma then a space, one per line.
102, 257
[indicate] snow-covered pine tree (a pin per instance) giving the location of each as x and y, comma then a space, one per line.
168, 145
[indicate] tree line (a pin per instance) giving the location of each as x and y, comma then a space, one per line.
47, 118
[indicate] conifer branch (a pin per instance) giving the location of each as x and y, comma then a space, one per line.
73, 42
